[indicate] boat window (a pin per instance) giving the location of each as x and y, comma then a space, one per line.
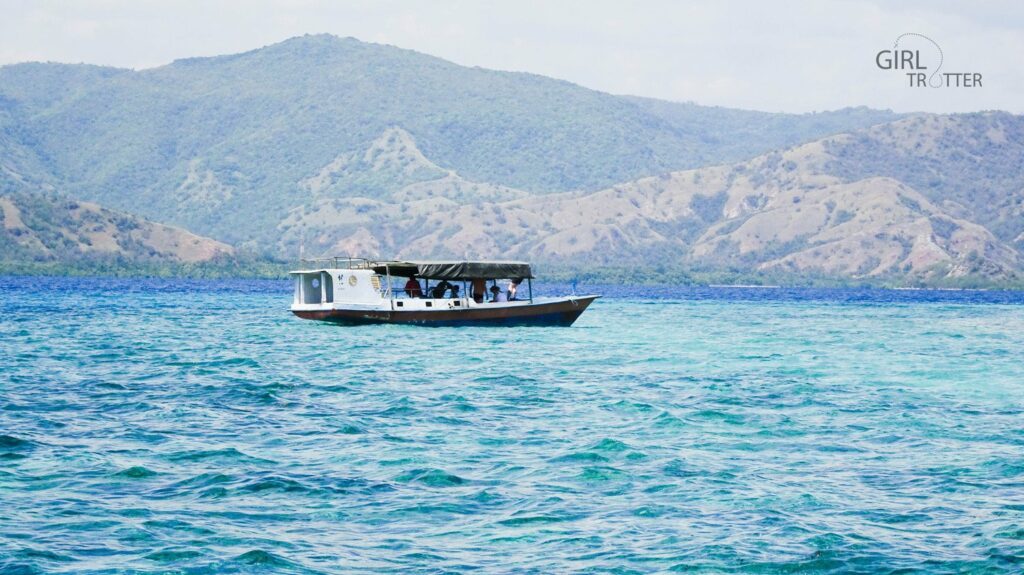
400, 303
456, 303
328, 288
430, 304
311, 292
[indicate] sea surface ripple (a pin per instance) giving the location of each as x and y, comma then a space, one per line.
153, 426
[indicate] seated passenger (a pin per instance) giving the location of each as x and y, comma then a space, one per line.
412, 288
497, 295
439, 289
455, 292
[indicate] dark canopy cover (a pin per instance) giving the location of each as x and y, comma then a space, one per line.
456, 270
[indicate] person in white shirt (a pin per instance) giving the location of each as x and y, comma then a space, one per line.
497, 295
513, 285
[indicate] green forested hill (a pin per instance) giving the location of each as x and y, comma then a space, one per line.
220, 145
20, 164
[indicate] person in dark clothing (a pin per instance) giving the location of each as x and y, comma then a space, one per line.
440, 289
412, 288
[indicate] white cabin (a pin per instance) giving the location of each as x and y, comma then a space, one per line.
325, 286
362, 287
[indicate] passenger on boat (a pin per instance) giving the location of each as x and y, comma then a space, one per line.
412, 288
478, 290
455, 291
497, 296
513, 286
440, 289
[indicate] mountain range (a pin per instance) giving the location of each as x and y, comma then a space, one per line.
38, 228
813, 208
333, 145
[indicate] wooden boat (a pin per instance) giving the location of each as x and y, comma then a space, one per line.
358, 291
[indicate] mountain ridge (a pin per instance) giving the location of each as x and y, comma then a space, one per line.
262, 120
44, 228
323, 144
785, 210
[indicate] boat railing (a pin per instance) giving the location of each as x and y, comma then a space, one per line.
339, 262
386, 290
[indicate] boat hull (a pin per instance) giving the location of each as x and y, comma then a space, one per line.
556, 313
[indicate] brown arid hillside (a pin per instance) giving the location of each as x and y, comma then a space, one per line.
893, 201
972, 165
44, 228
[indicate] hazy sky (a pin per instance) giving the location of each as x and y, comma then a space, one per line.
775, 56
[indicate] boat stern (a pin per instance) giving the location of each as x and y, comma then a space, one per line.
324, 289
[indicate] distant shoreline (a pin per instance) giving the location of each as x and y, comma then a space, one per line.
638, 277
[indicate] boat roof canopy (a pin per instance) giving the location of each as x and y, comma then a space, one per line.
456, 270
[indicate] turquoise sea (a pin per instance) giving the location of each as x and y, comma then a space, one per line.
156, 426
